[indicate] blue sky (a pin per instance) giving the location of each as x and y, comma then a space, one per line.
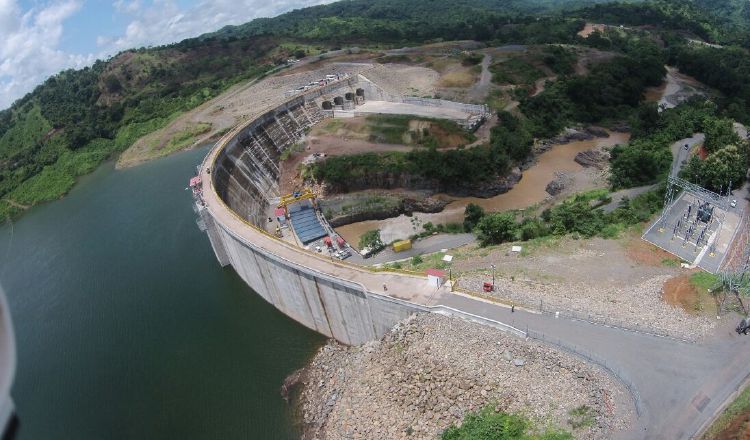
38, 38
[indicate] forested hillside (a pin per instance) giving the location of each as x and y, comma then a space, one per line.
76, 119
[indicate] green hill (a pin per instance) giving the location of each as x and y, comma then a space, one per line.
78, 118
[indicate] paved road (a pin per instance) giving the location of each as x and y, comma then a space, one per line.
425, 246
480, 90
681, 385
618, 196
680, 154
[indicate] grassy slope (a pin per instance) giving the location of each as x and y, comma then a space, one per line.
736, 413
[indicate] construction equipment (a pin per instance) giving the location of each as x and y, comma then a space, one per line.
400, 246
294, 197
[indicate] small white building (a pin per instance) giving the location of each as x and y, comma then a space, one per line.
435, 277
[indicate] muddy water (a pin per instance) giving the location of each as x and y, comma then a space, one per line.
528, 192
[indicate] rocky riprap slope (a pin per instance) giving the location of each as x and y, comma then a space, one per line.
637, 306
431, 370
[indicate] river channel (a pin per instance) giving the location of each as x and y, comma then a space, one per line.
126, 326
528, 192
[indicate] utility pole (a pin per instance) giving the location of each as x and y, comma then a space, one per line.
493, 276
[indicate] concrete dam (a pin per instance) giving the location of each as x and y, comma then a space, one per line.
239, 188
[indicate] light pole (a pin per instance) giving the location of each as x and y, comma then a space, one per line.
493, 276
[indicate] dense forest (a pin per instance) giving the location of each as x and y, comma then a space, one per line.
76, 119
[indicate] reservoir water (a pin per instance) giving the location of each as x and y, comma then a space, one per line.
126, 326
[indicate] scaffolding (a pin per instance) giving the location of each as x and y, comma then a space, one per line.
288, 199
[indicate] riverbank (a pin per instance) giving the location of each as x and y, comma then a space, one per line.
431, 370
553, 160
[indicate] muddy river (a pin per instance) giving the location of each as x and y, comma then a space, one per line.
528, 192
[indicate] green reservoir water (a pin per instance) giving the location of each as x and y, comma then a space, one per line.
126, 326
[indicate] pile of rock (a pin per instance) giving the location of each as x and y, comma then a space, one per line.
431, 370
592, 159
559, 183
635, 306
571, 135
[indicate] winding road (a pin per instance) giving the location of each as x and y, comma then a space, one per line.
680, 385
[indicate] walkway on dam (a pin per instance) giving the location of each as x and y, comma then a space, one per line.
680, 385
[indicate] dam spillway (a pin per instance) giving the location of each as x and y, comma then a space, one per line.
240, 181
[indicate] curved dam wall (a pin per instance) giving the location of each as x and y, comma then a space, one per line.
332, 306
244, 173
7, 368
240, 178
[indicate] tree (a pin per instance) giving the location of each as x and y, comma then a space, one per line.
496, 228
726, 165
371, 240
472, 214
719, 133
640, 163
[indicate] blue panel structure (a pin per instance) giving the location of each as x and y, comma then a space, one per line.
305, 223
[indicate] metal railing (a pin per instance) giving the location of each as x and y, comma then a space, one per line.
585, 354
591, 318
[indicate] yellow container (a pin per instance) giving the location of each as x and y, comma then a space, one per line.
403, 245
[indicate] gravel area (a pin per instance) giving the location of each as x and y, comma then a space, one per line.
404, 80
638, 305
431, 370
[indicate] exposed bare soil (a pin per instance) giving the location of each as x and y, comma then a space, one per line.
646, 254
738, 429
678, 291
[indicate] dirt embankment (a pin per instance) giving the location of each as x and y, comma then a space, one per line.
431, 370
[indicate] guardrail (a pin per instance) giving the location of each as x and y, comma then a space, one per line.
576, 315
450, 311
577, 351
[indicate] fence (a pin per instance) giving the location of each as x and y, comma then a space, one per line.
575, 315
430, 102
577, 351
606, 321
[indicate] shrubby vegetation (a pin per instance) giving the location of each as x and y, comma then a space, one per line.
581, 215
371, 240
647, 159
510, 143
392, 129
488, 424
611, 91
78, 118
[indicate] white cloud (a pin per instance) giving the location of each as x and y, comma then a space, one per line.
163, 21
29, 46
30, 39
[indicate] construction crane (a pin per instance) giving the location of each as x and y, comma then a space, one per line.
296, 197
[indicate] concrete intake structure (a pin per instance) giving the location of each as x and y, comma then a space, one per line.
239, 181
